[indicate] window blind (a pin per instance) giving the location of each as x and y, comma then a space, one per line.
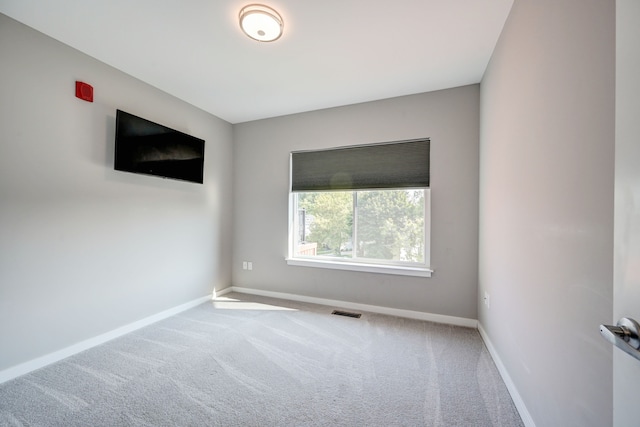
401, 164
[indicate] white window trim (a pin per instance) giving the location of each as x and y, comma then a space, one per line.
359, 266
381, 268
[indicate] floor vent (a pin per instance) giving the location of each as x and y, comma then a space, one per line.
346, 313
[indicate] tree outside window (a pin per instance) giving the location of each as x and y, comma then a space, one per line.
377, 225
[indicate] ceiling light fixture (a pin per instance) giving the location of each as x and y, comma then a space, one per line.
261, 22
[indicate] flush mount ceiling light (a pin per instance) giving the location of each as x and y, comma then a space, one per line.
261, 23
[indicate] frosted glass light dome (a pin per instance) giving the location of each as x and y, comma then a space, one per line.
261, 22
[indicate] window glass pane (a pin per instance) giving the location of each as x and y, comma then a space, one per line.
325, 222
381, 226
390, 225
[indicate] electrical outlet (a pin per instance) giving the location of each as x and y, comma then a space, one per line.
244, 265
250, 265
487, 300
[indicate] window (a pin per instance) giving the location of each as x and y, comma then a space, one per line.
362, 208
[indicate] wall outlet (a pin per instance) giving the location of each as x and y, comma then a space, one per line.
244, 265
250, 265
487, 300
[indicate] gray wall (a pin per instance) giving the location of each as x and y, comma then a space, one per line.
85, 249
546, 206
261, 178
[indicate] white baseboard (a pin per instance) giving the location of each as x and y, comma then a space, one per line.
513, 391
410, 314
40, 362
222, 292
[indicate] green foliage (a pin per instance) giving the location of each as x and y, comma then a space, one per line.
389, 224
332, 218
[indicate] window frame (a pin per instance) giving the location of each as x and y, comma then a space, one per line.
362, 264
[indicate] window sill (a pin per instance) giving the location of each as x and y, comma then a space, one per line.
369, 268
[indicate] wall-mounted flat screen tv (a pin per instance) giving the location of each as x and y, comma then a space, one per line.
149, 148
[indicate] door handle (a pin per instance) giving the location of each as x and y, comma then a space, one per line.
625, 335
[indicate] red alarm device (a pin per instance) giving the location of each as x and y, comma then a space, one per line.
84, 91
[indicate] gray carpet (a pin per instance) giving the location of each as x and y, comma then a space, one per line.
253, 361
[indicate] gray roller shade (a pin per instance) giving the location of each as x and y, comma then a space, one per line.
401, 164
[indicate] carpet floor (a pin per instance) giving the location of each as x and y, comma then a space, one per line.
253, 361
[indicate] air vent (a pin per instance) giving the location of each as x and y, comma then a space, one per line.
346, 313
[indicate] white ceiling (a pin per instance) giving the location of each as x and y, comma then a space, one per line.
332, 53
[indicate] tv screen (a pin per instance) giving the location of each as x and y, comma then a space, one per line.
153, 149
